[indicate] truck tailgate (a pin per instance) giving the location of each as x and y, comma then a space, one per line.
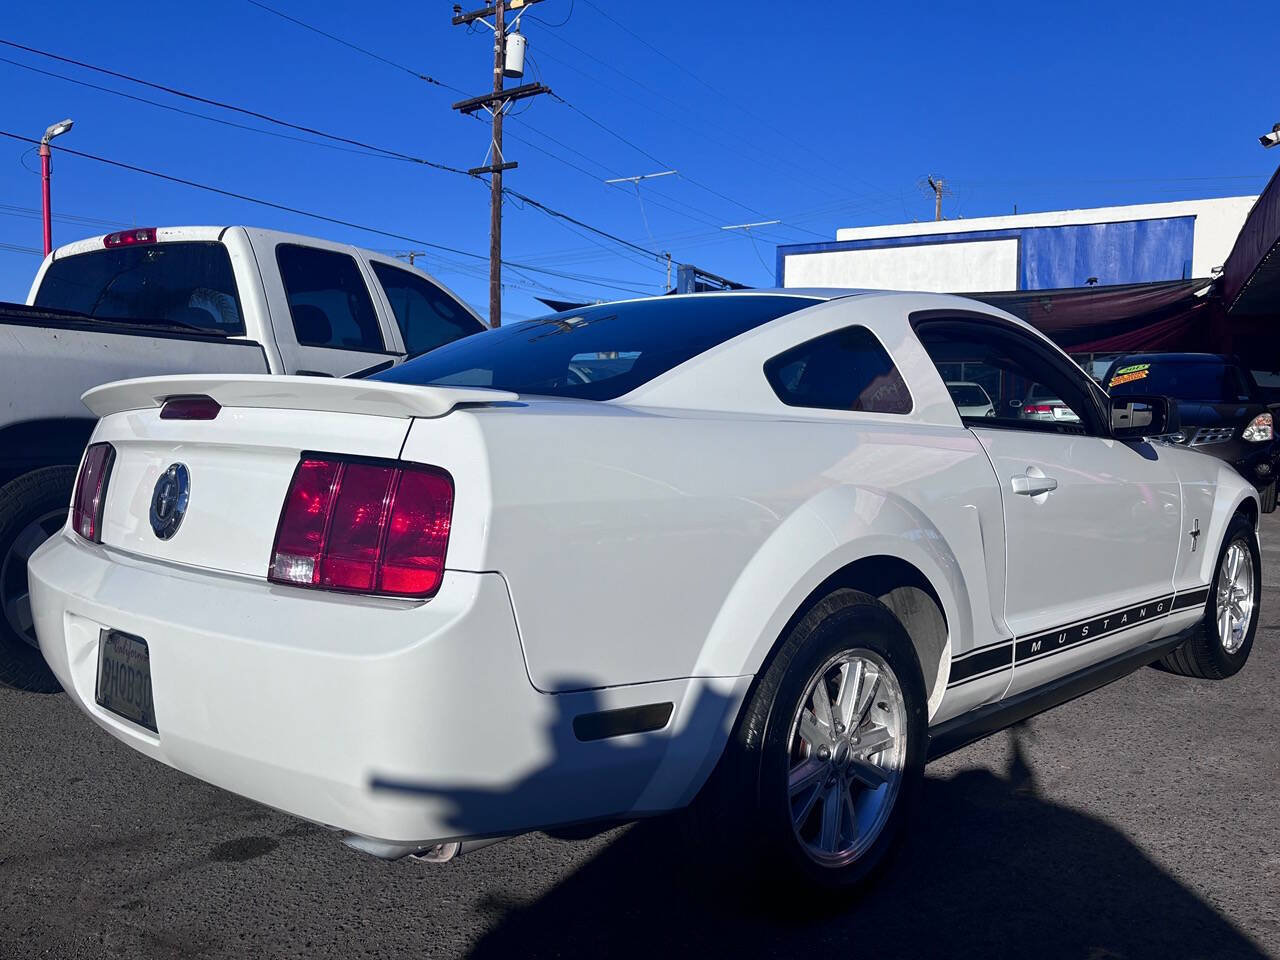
47, 368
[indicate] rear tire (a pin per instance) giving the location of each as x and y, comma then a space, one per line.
1221, 642
805, 803
32, 508
1267, 498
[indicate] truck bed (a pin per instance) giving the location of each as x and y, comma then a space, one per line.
51, 357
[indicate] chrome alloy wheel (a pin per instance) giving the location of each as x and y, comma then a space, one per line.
1235, 600
848, 747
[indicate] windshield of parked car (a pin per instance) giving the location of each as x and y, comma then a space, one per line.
184, 284
968, 395
595, 353
1202, 381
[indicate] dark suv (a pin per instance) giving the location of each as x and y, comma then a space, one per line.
1223, 411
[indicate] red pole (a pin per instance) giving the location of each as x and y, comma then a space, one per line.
44, 179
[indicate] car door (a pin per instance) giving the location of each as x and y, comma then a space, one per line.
1092, 524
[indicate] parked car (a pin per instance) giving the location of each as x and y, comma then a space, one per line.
1042, 404
970, 399
178, 300
1223, 411
761, 572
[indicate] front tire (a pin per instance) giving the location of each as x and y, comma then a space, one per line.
32, 508
827, 758
1267, 498
1220, 644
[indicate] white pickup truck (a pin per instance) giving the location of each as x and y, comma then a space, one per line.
174, 300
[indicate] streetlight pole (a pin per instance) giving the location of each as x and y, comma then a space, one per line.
56, 130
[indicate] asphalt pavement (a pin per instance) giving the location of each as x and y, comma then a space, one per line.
1140, 821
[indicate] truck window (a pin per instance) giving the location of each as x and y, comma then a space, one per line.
185, 283
427, 316
328, 299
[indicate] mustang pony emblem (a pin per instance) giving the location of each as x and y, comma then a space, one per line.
169, 500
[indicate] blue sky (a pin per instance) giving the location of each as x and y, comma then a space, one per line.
769, 111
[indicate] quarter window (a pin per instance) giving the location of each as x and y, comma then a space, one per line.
844, 370
427, 316
328, 299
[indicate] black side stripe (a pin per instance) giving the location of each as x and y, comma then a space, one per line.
1193, 599
992, 658
996, 658
1051, 641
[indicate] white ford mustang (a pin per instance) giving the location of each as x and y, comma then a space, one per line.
736, 552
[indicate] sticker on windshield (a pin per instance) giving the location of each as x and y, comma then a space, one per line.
1128, 374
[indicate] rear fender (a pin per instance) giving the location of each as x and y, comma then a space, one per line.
839, 526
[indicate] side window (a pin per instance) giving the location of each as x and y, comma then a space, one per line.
427, 316
328, 299
844, 370
1000, 378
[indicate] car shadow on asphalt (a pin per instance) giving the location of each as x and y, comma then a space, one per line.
991, 868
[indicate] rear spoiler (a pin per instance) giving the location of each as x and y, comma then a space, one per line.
291, 393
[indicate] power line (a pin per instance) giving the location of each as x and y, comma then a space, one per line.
807, 146
586, 226
192, 113
364, 148
679, 107
663, 163
15, 248
412, 72
11, 210
567, 17
613, 133
347, 43
597, 281
361, 147
222, 105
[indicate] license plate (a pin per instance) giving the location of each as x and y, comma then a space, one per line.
124, 678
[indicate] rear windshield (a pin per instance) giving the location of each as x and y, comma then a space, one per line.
184, 284
596, 353
1206, 381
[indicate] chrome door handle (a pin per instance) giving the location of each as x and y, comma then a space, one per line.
1030, 485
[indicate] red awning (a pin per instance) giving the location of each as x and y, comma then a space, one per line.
1170, 315
1250, 281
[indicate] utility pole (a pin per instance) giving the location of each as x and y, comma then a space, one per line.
937, 185
496, 103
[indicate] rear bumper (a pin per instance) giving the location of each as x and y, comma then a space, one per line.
408, 723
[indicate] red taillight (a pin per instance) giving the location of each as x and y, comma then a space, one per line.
91, 491
421, 513
130, 238
197, 407
1037, 408
364, 527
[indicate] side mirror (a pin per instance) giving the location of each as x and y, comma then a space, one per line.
1136, 418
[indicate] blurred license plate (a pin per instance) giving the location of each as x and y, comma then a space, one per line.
124, 678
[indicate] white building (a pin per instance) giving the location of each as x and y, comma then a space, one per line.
1036, 251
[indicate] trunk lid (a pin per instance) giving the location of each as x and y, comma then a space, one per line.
239, 465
